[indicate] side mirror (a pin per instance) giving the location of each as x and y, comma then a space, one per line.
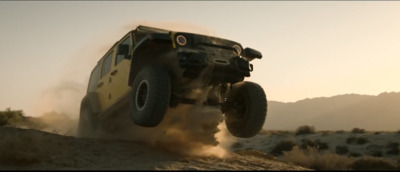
123, 49
251, 54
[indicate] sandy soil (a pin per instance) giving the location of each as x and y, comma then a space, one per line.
47, 151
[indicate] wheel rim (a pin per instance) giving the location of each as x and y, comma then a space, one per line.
142, 94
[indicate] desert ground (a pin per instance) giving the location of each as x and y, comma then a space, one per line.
27, 149
183, 141
191, 139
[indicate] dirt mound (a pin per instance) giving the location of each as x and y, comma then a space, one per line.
31, 149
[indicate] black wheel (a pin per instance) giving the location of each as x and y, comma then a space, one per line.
87, 123
248, 109
151, 92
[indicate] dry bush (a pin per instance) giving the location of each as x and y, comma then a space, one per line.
312, 158
312, 143
361, 140
392, 148
341, 150
357, 140
285, 145
351, 140
373, 163
354, 154
10, 117
376, 153
275, 132
305, 129
340, 132
375, 150
398, 163
21, 149
237, 145
358, 130
326, 133
264, 132
374, 147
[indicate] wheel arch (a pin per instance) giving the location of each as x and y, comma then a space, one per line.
149, 50
91, 99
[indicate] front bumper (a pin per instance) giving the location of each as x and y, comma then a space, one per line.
222, 70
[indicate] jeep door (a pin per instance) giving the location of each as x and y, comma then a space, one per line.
104, 86
120, 69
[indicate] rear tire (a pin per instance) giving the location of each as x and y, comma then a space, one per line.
247, 116
87, 123
151, 93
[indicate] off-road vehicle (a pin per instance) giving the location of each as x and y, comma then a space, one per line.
150, 70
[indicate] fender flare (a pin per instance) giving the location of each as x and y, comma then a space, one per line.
144, 45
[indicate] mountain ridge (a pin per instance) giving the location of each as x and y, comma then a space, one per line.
340, 112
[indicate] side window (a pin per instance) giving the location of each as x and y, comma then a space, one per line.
94, 78
107, 64
124, 49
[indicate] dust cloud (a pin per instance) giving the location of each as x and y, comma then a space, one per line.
59, 107
186, 129
195, 130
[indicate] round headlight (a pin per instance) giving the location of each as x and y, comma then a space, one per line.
181, 40
237, 50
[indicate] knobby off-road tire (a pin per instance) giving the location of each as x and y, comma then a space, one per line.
151, 92
87, 123
248, 115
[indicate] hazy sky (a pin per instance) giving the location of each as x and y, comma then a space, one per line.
310, 49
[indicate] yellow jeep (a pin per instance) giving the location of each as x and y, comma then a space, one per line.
150, 70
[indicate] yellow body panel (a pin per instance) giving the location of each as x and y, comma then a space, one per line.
105, 91
120, 80
115, 83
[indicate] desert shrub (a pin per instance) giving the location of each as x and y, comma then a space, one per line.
361, 140
374, 147
264, 132
398, 164
21, 149
357, 140
357, 130
393, 148
340, 132
305, 129
398, 131
275, 132
311, 158
375, 150
306, 143
377, 133
341, 150
9, 117
376, 153
237, 145
373, 163
354, 154
326, 133
285, 145
351, 140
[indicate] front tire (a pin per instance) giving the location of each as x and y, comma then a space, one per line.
247, 115
151, 93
